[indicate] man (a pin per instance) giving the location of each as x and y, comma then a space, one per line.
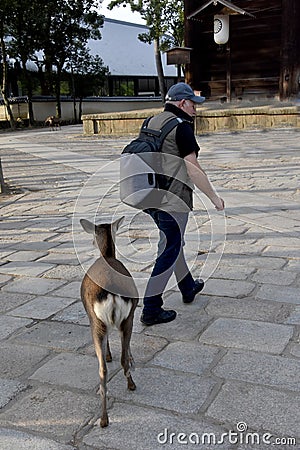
179, 153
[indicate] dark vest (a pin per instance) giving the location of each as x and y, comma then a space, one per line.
179, 197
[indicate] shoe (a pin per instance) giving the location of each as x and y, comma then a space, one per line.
163, 316
199, 285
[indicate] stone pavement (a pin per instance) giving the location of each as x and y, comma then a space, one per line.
225, 374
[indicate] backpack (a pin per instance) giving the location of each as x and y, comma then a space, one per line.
142, 183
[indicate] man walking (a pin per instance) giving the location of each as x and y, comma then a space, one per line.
180, 150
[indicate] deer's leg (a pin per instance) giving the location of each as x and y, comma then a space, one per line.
100, 343
108, 352
126, 356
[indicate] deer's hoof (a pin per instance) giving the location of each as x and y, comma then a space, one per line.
104, 422
131, 385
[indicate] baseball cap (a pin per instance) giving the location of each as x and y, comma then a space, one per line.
182, 91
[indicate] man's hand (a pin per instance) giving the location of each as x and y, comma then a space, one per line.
219, 204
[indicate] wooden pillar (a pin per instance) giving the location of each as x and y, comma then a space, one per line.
290, 50
188, 9
228, 69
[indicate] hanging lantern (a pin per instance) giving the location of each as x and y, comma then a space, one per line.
221, 28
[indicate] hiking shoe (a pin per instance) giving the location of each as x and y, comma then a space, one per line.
162, 316
188, 298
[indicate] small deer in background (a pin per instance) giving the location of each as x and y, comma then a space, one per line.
53, 122
110, 297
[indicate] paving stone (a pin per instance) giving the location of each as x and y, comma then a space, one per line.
279, 294
246, 334
10, 300
295, 350
191, 357
143, 347
54, 335
8, 390
12, 440
26, 256
186, 327
282, 252
41, 307
30, 285
60, 258
228, 288
294, 317
71, 289
41, 246
274, 277
70, 370
30, 269
246, 308
293, 265
4, 279
9, 325
52, 412
232, 272
65, 272
254, 261
173, 299
73, 314
247, 247
259, 407
158, 391
136, 428
18, 359
260, 368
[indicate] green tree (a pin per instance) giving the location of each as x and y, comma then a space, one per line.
67, 27
88, 74
164, 19
25, 25
5, 8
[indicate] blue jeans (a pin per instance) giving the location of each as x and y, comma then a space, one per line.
170, 258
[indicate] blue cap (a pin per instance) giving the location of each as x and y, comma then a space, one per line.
182, 91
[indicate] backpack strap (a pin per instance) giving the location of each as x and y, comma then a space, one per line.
168, 127
164, 131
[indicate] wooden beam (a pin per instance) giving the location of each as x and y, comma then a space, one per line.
290, 50
230, 7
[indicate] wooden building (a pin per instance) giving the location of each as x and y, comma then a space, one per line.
261, 58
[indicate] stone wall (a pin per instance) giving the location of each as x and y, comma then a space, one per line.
207, 120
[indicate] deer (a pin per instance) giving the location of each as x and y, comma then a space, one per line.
110, 297
53, 122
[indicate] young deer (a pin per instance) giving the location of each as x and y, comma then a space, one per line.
110, 297
53, 122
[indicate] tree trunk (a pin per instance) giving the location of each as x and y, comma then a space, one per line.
57, 92
290, 50
4, 84
160, 71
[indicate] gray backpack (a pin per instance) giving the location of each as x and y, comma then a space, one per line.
142, 182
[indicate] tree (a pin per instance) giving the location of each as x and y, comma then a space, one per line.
4, 19
67, 27
87, 76
161, 17
25, 24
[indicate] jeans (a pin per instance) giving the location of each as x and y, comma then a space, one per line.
170, 258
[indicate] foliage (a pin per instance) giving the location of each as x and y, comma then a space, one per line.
56, 29
87, 73
164, 18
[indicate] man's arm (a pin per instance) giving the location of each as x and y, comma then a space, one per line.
200, 179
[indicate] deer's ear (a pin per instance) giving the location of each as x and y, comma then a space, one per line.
88, 226
116, 224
